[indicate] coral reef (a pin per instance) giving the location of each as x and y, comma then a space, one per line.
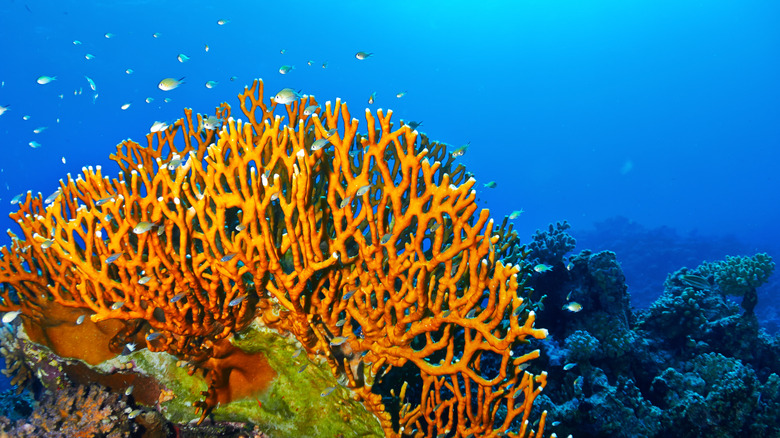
366, 248
694, 364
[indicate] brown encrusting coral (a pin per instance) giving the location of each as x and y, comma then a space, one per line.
365, 247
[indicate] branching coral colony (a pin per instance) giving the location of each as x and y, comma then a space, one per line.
365, 247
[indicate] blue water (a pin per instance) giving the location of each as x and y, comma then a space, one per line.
664, 112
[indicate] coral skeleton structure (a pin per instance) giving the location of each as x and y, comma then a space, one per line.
366, 247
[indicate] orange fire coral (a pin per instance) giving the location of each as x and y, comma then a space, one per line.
366, 247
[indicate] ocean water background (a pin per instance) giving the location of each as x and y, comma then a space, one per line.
663, 112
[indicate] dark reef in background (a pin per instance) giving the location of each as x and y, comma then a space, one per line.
694, 364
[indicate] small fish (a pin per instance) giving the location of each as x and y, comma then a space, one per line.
515, 214
240, 227
401, 94
103, 201
134, 413
144, 280
47, 243
40, 129
8, 317
129, 71
228, 257
182, 57
319, 144
491, 185
541, 267
76, 42
338, 340
461, 150
125, 106
286, 96
327, 391
386, 238
325, 64
152, 336
211, 84
236, 301
63, 160
167, 100
363, 190
301, 369
113, 257
341, 322
158, 127
149, 99
310, 63
117, 305
695, 281
573, 306
569, 266
569, 366
414, 125
233, 78
206, 48
80, 319
34, 144
282, 51
16, 199
286, 69
178, 297
43, 80
26, 117
156, 35
309, 110
108, 35
363, 55
297, 353
371, 98
331, 132
89, 56
129, 390
345, 202
223, 22
349, 294
169, 84
472, 313
3, 109
143, 227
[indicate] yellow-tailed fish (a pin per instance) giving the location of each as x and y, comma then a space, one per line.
43, 80
338, 340
363, 55
143, 227
169, 84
